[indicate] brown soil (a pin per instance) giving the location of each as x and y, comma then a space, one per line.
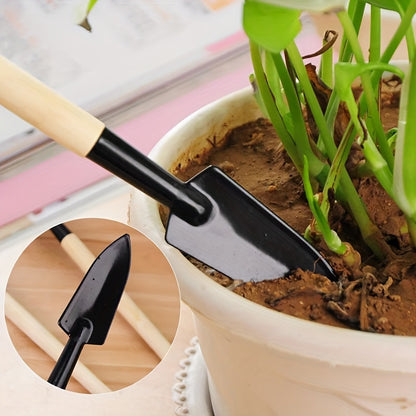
378, 296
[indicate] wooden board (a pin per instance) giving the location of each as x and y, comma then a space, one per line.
44, 279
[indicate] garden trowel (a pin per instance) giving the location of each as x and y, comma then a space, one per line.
212, 218
88, 316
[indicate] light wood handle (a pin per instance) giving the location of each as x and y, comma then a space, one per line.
128, 309
43, 108
143, 326
26, 322
78, 252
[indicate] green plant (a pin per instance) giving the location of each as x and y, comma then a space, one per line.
283, 89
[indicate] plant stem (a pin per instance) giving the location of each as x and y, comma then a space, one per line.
273, 80
404, 171
270, 105
311, 99
403, 30
326, 71
337, 165
373, 113
378, 166
369, 231
349, 194
356, 11
331, 238
317, 167
375, 34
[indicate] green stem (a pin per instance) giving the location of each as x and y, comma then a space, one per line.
270, 105
303, 145
337, 165
378, 166
373, 112
326, 69
273, 81
330, 236
311, 99
410, 37
375, 34
356, 11
349, 194
370, 233
403, 30
91, 4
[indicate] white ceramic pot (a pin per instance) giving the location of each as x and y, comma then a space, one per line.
262, 362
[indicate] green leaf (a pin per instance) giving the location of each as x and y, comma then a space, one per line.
270, 26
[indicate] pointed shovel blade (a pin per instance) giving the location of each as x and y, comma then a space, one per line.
99, 293
242, 238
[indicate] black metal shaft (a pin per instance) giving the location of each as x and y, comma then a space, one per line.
118, 157
64, 367
60, 231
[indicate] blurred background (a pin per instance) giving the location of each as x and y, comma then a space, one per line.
143, 67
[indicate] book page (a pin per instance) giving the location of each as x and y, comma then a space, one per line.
133, 45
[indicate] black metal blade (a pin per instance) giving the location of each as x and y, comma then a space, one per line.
242, 238
212, 218
98, 295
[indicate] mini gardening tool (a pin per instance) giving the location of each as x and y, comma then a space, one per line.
83, 257
211, 218
88, 316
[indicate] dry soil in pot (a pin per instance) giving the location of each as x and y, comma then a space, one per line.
373, 295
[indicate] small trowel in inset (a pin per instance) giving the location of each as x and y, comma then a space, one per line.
88, 316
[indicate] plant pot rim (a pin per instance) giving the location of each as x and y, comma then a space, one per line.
338, 346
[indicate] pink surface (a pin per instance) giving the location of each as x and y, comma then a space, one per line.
67, 173
228, 42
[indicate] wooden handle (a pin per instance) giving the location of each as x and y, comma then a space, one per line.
143, 326
78, 252
58, 118
25, 321
83, 257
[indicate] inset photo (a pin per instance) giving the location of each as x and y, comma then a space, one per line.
92, 306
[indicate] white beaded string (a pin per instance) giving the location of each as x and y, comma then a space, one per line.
180, 387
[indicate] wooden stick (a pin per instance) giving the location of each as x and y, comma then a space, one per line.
27, 323
83, 257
